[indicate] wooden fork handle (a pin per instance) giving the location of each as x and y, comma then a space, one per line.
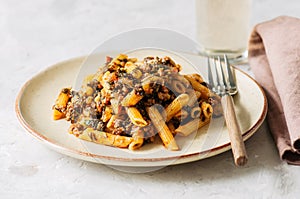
237, 143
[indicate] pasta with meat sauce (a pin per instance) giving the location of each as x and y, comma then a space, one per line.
128, 102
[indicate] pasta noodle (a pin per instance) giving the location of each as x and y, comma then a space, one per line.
178, 86
131, 99
164, 132
128, 102
111, 121
196, 112
182, 114
191, 127
176, 105
138, 140
61, 104
146, 83
99, 137
194, 96
206, 109
205, 93
171, 127
136, 117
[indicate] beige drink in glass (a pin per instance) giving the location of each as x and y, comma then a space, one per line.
223, 27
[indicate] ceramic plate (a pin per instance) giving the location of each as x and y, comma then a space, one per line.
37, 96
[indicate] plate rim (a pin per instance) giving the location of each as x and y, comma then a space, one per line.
58, 147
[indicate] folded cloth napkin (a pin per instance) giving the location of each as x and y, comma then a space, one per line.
274, 57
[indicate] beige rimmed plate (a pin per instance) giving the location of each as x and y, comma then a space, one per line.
35, 100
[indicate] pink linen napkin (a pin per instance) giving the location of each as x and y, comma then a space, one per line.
274, 57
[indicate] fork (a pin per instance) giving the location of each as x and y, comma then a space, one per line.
225, 87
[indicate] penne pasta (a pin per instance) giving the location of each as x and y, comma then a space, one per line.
131, 99
182, 114
57, 115
194, 96
106, 115
175, 106
205, 93
188, 128
196, 77
136, 117
206, 109
146, 83
100, 137
63, 98
120, 141
191, 127
198, 94
171, 127
60, 106
178, 86
163, 131
138, 140
196, 112
111, 121
132, 68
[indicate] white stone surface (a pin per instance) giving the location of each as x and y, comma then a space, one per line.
36, 34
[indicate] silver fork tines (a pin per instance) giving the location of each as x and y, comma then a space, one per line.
231, 79
224, 83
